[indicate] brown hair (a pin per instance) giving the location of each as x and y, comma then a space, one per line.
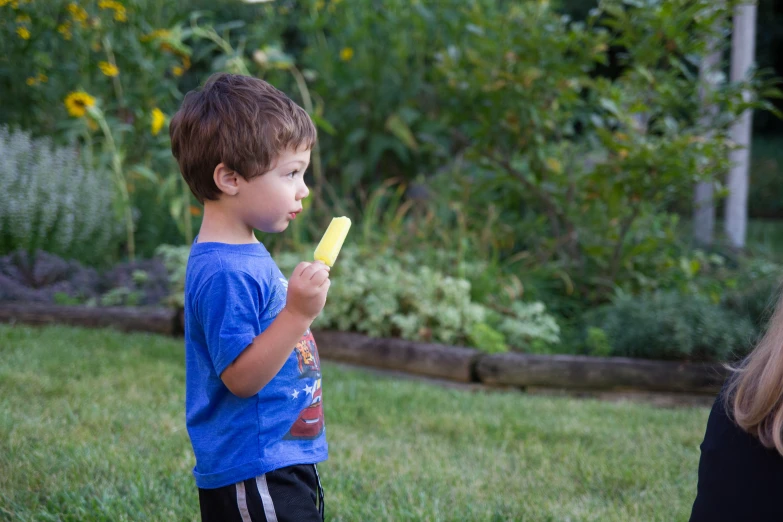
754, 395
237, 120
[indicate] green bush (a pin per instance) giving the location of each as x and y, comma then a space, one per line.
387, 295
668, 325
52, 202
373, 69
755, 292
382, 296
487, 339
597, 342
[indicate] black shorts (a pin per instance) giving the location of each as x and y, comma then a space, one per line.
290, 494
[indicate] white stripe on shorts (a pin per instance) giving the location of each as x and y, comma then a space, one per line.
242, 502
266, 499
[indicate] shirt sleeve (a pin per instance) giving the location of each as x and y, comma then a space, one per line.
229, 307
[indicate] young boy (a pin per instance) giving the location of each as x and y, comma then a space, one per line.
253, 380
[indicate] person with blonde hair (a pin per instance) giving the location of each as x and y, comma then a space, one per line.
741, 465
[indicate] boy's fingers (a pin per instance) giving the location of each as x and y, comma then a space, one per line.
319, 277
308, 272
319, 270
325, 285
300, 268
321, 264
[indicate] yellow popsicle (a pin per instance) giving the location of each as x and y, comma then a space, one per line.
332, 241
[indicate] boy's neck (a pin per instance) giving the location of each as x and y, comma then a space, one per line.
219, 226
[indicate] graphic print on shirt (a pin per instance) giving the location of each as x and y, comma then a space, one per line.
310, 423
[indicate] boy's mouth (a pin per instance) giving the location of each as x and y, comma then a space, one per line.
293, 215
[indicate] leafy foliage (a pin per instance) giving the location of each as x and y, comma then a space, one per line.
387, 295
593, 159
668, 325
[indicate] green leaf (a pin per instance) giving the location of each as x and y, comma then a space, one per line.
146, 173
400, 129
322, 123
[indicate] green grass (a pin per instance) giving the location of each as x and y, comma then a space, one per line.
92, 428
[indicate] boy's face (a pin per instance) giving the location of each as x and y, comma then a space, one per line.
270, 201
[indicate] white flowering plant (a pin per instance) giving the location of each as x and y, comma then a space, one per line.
51, 202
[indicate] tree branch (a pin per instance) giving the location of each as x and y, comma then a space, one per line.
618, 247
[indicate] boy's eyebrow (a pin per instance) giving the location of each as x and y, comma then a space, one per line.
297, 162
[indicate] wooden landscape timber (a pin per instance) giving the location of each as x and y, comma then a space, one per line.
453, 363
125, 318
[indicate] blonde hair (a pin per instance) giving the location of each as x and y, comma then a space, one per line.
754, 395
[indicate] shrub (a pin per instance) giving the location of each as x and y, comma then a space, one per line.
384, 295
487, 339
668, 325
755, 292
51, 202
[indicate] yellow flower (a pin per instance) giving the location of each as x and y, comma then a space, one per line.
158, 119
78, 13
109, 69
346, 54
65, 30
23, 33
23, 19
42, 78
31, 81
120, 14
554, 165
13, 3
319, 4
157, 33
77, 103
177, 71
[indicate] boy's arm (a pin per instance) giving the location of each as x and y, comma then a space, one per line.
266, 355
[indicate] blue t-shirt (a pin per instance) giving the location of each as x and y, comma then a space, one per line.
232, 293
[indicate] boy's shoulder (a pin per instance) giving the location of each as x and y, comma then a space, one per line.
210, 261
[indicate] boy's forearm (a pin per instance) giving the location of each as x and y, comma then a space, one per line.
261, 361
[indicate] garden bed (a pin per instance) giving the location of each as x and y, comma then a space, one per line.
454, 363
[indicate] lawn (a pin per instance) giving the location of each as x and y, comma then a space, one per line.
92, 428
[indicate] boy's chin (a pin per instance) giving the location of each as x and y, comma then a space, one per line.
274, 228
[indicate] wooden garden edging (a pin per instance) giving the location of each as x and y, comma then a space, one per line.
433, 360
599, 373
124, 318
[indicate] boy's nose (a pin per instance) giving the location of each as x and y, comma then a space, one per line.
303, 191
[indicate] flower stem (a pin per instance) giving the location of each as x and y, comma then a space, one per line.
119, 179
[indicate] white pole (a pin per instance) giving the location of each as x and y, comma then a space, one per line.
703, 201
743, 48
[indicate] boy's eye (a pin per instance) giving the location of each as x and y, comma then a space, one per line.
292, 174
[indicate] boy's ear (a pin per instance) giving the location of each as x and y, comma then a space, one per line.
226, 180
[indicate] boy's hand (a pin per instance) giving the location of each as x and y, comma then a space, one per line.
307, 289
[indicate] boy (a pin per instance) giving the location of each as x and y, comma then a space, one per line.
253, 380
